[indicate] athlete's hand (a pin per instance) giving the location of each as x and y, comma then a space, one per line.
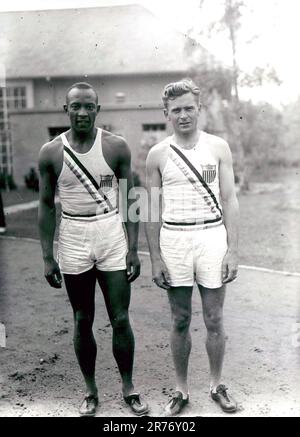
160, 275
229, 267
52, 273
133, 265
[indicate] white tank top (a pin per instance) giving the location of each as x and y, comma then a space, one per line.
185, 199
77, 189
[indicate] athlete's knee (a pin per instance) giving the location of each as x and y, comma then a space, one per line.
214, 322
120, 321
83, 323
181, 323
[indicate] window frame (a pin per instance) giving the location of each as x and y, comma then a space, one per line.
25, 101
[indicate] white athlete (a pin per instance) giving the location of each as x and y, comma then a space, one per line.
189, 207
198, 238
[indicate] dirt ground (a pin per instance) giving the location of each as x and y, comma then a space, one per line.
38, 371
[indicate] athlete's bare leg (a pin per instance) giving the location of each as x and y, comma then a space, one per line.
116, 292
81, 292
212, 303
180, 299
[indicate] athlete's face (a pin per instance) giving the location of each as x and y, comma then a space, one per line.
183, 113
82, 108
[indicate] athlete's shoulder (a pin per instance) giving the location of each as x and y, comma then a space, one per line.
51, 149
158, 150
116, 143
113, 139
218, 146
215, 140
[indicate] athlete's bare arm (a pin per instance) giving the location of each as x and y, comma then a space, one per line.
154, 165
48, 168
230, 210
120, 161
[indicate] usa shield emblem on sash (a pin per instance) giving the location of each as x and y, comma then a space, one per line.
209, 173
106, 181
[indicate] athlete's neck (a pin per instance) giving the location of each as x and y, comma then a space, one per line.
187, 141
82, 141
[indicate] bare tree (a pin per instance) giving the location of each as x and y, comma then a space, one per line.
230, 23
231, 20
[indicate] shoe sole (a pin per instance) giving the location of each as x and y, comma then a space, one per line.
230, 411
233, 410
141, 414
136, 413
87, 415
170, 414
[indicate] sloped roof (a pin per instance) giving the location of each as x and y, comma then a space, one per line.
93, 41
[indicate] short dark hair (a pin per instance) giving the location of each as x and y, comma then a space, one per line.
177, 89
81, 86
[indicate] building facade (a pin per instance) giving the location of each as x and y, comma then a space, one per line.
126, 53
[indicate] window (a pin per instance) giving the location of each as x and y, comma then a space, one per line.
15, 98
5, 148
55, 131
17, 95
153, 133
6, 161
154, 127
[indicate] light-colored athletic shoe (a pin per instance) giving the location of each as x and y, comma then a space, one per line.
137, 406
176, 404
226, 401
89, 406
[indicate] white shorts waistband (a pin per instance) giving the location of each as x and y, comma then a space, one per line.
89, 218
192, 226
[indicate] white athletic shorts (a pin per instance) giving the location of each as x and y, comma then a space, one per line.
92, 241
192, 253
